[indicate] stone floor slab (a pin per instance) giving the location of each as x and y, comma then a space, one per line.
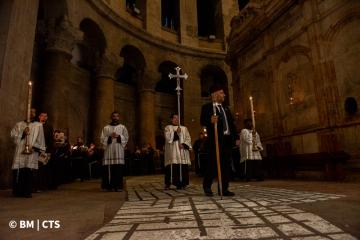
253, 213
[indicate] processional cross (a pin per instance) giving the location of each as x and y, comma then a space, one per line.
178, 89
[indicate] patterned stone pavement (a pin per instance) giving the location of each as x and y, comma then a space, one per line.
254, 213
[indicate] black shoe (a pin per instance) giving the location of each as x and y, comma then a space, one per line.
228, 194
209, 193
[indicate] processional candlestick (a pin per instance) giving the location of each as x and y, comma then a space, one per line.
27, 147
254, 146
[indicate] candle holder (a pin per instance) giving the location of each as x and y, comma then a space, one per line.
254, 146
27, 148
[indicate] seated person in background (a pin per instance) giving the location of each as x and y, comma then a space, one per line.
78, 158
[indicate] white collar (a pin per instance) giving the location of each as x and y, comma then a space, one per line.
217, 104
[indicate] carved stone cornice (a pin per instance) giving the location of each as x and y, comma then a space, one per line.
106, 66
141, 34
251, 22
61, 36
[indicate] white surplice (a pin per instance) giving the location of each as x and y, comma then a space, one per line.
114, 152
246, 146
173, 153
35, 139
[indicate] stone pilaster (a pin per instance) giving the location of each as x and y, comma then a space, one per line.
103, 101
60, 39
146, 116
326, 90
146, 98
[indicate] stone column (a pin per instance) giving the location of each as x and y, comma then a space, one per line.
55, 89
146, 96
103, 101
146, 116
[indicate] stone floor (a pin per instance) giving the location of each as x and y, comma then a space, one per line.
254, 213
273, 209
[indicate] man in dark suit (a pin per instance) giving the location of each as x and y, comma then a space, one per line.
226, 138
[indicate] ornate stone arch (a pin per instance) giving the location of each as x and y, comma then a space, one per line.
342, 55
294, 50
334, 29
294, 88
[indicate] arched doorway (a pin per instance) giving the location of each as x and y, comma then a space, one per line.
85, 59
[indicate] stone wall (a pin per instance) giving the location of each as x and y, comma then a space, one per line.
298, 59
80, 99
189, 58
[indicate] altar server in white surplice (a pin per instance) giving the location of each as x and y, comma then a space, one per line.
251, 161
114, 138
31, 134
177, 156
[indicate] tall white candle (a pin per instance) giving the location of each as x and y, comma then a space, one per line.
28, 117
252, 111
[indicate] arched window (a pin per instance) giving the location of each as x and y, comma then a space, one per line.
170, 14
